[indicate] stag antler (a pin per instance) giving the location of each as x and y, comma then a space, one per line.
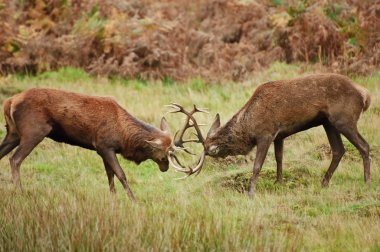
178, 108
181, 168
179, 143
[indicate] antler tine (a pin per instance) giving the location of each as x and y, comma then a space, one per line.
180, 168
187, 151
179, 108
178, 162
196, 170
195, 140
179, 148
203, 110
191, 141
197, 129
184, 149
176, 108
179, 142
199, 124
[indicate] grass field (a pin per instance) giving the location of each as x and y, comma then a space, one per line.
66, 205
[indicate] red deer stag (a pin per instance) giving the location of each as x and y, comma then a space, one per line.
279, 109
95, 123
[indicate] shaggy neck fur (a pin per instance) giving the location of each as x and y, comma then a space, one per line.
235, 138
136, 133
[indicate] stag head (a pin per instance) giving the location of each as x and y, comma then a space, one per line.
161, 146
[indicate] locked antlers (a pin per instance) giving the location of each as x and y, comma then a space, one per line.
179, 142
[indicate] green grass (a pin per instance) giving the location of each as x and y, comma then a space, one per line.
65, 204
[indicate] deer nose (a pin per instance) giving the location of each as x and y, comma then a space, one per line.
163, 166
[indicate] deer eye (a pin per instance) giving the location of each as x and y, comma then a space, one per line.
214, 149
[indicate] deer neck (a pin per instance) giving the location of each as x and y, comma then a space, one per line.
237, 140
135, 135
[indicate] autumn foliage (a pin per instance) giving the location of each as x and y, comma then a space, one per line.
179, 39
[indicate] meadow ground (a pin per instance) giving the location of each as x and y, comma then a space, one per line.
66, 205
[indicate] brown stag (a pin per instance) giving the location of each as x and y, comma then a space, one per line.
91, 122
279, 109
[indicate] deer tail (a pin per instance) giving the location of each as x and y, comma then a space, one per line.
366, 100
365, 96
7, 106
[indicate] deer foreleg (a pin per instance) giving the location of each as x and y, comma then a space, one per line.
261, 152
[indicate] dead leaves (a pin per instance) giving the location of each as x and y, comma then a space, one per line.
216, 40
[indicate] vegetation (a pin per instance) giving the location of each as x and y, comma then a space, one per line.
183, 39
66, 205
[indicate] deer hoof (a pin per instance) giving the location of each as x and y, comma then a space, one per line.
279, 182
250, 194
325, 183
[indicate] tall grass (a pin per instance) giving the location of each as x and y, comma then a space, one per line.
65, 204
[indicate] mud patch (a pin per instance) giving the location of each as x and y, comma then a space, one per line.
291, 180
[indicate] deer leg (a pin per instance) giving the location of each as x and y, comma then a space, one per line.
278, 152
109, 157
27, 144
261, 152
352, 134
337, 149
364, 152
110, 175
9, 143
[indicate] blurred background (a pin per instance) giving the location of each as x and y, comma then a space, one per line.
177, 40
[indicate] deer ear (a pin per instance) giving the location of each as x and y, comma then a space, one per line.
215, 125
164, 125
156, 143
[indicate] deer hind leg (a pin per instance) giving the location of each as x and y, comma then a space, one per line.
10, 141
337, 149
29, 139
263, 145
110, 175
278, 152
351, 132
12, 138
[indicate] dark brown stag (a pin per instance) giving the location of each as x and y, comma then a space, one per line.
95, 123
279, 109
